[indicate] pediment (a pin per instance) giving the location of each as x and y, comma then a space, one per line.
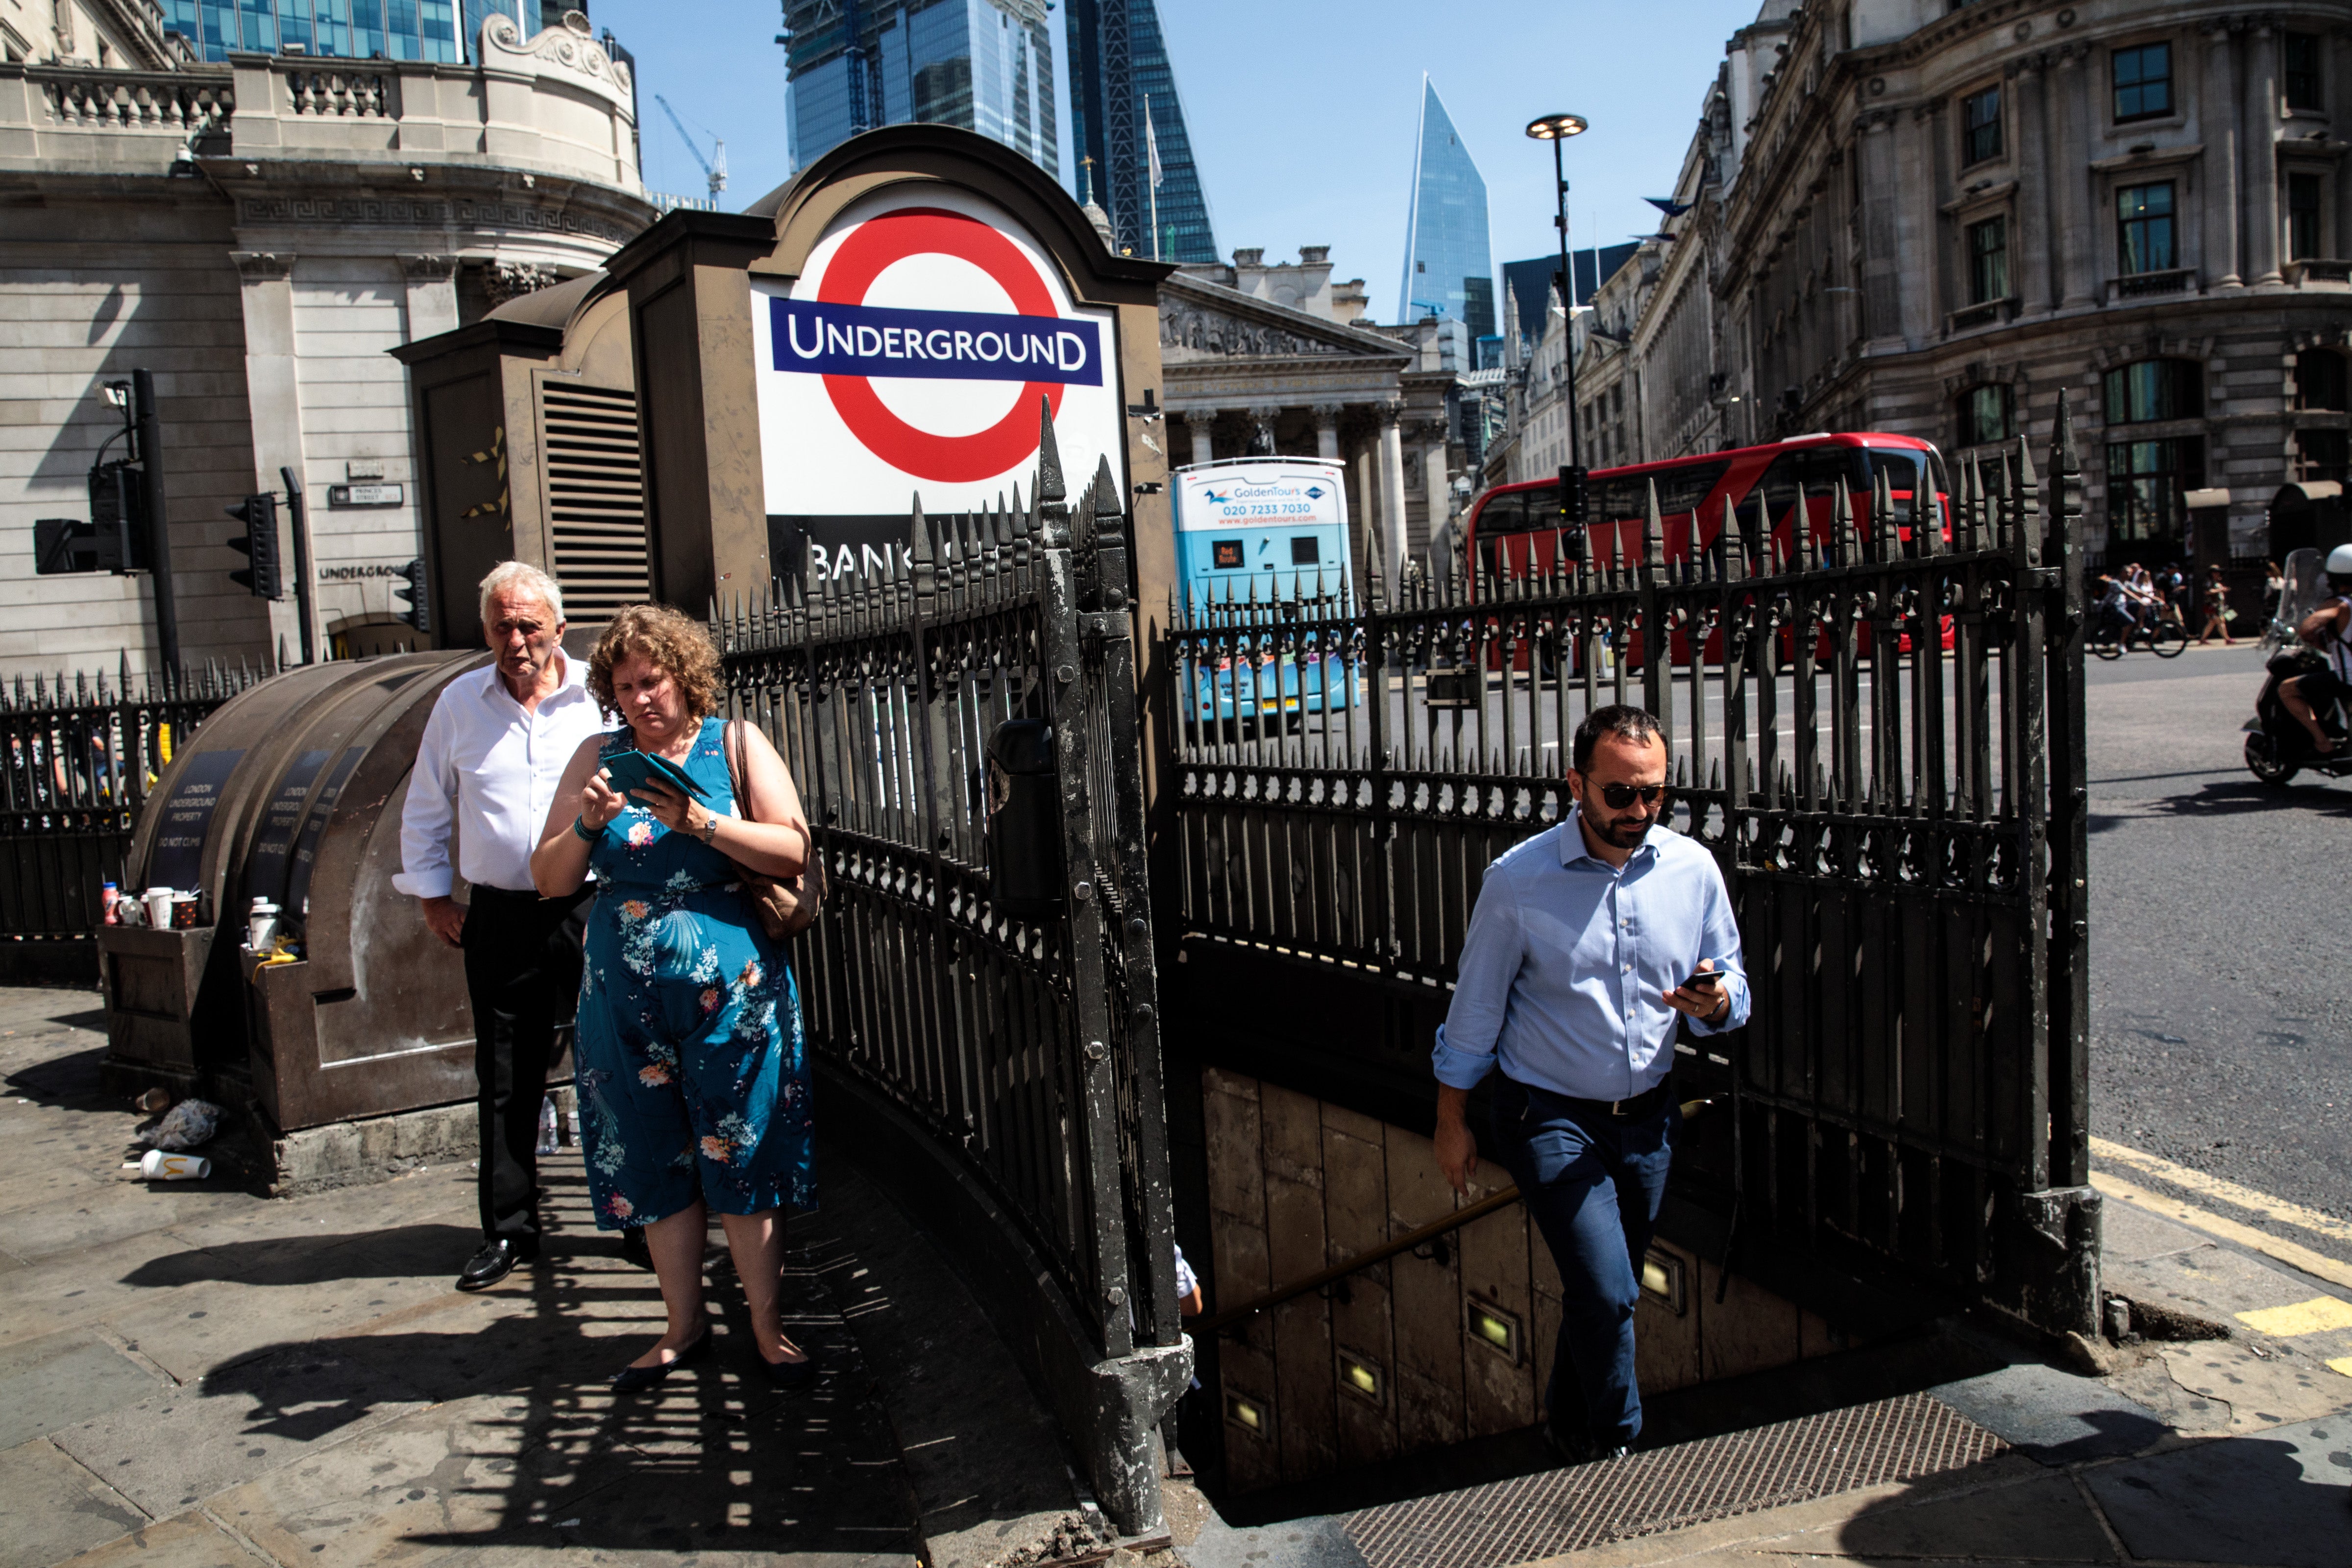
1205, 322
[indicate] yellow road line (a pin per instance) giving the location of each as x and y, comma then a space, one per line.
2315, 1316
2245, 1235
2342, 1363
2229, 1193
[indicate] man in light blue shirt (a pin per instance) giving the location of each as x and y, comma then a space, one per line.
1585, 950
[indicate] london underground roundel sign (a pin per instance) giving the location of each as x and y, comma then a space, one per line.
911, 357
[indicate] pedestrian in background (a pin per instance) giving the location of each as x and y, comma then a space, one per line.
1578, 968
692, 1072
487, 770
2217, 609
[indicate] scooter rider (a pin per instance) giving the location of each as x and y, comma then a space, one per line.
2329, 629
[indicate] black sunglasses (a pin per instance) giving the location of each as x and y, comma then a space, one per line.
1620, 795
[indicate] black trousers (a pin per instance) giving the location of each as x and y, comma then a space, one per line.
523, 976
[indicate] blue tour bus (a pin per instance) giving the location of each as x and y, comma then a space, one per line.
1275, 528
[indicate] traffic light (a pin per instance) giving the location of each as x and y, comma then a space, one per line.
259, 546
419, 613
118, 516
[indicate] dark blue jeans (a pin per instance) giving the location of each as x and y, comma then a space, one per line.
1593, 1185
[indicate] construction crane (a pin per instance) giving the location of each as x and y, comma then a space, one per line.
715, 166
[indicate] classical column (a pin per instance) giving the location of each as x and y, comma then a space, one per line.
1881, 267
2219, 113
432, 283
272, 392
1915, 227
1327, 431
1202, 422
2073, 190
1366, 508
1430, 436
2035, 226
1391, 494
2261, 119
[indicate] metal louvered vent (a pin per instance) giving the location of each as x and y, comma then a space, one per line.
596, 498
1563, 1511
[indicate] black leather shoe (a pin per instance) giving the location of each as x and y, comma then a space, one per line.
637, 1379
791, 1375
495, 1262
633, 1248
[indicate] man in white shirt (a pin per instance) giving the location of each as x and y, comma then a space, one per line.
487, 769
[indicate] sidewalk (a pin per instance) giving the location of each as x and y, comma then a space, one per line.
197, 1378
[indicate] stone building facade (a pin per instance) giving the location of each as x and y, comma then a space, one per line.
1260, 360
1935, 219
257, 235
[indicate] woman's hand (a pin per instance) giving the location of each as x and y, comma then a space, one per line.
599, 802
668, 806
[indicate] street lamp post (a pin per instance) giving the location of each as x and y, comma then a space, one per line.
1557, 129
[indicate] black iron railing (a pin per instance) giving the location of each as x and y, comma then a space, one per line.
1024, 1044
1863, 718
82, 753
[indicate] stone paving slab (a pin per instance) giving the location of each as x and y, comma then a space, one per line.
55, 1508
2278, 1499
65, 1378
187, 1539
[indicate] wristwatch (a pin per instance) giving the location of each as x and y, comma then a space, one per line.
708, 831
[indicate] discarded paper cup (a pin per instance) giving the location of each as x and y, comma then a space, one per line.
159, 908
163, 1165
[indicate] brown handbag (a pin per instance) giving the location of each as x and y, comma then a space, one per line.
787, 906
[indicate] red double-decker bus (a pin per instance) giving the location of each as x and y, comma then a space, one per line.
1513, 530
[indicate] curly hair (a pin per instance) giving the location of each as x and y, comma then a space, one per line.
672, 643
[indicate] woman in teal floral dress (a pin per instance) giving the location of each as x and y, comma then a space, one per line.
692, 1074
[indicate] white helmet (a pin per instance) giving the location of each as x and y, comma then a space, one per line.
2339, 563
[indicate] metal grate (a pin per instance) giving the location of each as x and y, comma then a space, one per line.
596, 498
1715, 1478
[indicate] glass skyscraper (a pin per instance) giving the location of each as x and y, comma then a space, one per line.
1449, 265
1123, 101
984, 65
353, 29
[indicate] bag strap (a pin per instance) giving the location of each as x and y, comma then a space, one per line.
731, 742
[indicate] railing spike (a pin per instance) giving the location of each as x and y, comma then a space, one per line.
1735, 550
1049, 455
1652, 530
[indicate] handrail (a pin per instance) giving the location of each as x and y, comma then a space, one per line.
1216, 1323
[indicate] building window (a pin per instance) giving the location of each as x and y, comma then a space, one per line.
1988, 414
2302, 227
2302, 84
2155, 389
1981, 126
2323, 455
2144, 227
1988, 260
2142, 82
2146, 483
2320, 381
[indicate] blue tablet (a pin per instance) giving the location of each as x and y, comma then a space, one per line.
634, 770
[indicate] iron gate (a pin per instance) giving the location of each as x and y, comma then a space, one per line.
1900, 823
1004, 1067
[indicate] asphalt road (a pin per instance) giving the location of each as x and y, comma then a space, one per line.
2221, 938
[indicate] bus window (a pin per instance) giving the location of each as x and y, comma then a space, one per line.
1682, 489
1903, 468
1816, 468
1304, 551
1228, 555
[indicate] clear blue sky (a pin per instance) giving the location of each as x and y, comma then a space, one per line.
1302, 112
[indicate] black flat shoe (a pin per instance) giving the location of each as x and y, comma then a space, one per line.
637, 1379
788, 1374
495, 1262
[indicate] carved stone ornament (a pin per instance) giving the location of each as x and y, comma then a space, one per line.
428, 269
505, 280
1184, 325
567, 47
263, 266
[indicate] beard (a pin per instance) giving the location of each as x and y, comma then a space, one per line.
1625, 832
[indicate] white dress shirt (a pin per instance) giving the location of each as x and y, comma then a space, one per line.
487, 769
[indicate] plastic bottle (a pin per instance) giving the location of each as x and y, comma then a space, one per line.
108, 895
547, 1124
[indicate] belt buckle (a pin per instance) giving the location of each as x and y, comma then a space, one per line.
1616, 1109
